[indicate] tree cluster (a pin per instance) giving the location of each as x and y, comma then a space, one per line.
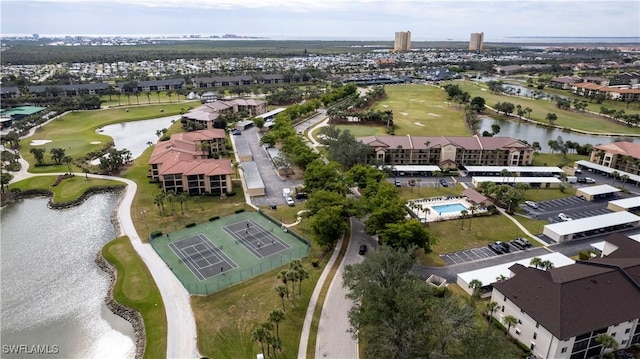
342, 147
114, 160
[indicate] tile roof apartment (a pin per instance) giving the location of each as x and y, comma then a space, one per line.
561, 311
206, 114
623, 156
448, 152
182, 163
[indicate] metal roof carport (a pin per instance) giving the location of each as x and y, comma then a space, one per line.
584, 227
625, 204
593, 193
545, 171
538, 182
413, 170
252, 178
608, 170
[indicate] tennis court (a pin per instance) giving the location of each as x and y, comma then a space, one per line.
201, 257
256, 239
213, 255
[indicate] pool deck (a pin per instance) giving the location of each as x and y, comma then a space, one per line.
423, 208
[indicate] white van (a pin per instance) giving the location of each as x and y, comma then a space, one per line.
531, 204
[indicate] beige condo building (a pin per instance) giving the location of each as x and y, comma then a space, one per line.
476, 43
402, 41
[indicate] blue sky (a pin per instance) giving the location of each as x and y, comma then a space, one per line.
325, 19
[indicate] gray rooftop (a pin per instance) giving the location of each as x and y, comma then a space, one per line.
251, 175
242, 147
514, 169
599, 189
631, 202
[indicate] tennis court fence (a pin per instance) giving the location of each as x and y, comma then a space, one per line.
293, 233
219, 282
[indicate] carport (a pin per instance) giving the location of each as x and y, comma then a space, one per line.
255, 185
521, 171
489, 275
593, 193
626, 204
243, 125
594, 167
417, 170
585, 227
533, 182
242, 149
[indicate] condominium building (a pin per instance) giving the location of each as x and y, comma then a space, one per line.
561, 311
402, 41
476, 43
623, 156
448, 152
206, 114
182, 164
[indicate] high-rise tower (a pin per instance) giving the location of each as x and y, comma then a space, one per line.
402, 41
477, 41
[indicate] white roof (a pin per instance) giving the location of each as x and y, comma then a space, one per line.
591, 223
251, 175
606, 169
488, 275
635, 237
630, 202
500, 179
416, 168
598, 245
514, 169
272, 113
599, 189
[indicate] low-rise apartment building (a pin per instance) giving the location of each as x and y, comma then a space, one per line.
182, 163
561, 311
623, 156
206, 114
448, 152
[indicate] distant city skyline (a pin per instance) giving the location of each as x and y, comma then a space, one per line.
324, 20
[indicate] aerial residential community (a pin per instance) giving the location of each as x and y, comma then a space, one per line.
405, 191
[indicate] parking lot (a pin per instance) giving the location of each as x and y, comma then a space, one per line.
574, 207
474, 254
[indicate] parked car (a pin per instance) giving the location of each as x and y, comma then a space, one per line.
531, 204
496, 248
398, 183
444, 183
523, 242
505, 246
236, 132
517, 244
290, 201
362, 250
564, 217
589, 180
582, 180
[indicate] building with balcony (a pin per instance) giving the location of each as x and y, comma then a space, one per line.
183, 163
206, 114
447, 152
561, 311
623, 156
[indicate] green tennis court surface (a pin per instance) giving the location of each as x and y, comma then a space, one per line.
214, 255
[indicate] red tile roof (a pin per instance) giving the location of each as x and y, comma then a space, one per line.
622, 148
466, 142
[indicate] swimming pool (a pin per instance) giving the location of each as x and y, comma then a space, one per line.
448, 208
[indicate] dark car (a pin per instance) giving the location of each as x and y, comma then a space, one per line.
444, 182
505, 246
363, 249
496, 248
517, 244
236, 133
523, 242
301, 195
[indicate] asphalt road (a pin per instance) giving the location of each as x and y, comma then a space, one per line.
333, 340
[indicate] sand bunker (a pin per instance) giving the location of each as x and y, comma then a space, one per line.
419, 124
95, 142
403, 113
438, 106
483, 89
385, 105
39, 142
433, 114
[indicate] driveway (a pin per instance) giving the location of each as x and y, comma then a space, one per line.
333, 340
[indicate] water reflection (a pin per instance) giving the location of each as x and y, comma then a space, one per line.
52, 290
134, 136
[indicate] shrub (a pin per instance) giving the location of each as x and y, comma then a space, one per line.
231, 193
189, 225
314, 262
240, 210
583, 255
155, 234
213, 218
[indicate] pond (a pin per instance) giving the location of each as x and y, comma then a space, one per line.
136, 135
52, 290
532, 133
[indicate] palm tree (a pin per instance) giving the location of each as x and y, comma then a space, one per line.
509, 321
302, 275
473, 210
614, 175
67, 160
546, 265
57, 154
158, 93
236, 165
292, 276
268, 327
283, 277
437, 174
38, 154
169, 94
536, 262
528, 111
275, 317
171, 196
607, 342
260, 334
501, 278
182, 198
491, 308
464, 214
148, 96
476, 286
624, 179
282, 291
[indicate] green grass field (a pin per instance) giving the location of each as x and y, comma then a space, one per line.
135, 288
418, 110
67, 190
75, 131
540, 108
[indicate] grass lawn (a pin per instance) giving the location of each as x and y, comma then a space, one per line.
75, 131
533, 226
557, 159
484, 230
225, 319
285, 214
418, 110
540, 108
407, 193
67, 190
545, 194
136, 289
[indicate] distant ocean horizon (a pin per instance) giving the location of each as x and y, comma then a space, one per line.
280, 37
